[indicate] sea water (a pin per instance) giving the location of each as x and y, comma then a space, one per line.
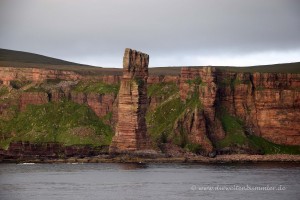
77, 181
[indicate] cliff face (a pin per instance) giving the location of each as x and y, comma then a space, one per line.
33, 98
268, 103
8, 74
201, 123
202, 109
278, 107
101, 104
131, 129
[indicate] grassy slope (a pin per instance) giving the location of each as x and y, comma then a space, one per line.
23, 59
161, 121
65, 122
275, 68
235, 136
11, 58
96, 87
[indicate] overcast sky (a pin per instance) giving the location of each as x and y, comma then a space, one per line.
172, 32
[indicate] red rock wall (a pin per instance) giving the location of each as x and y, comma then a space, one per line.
201, 124
101, 104
108, 79
33, 98
267, 102
277, 105
8, 74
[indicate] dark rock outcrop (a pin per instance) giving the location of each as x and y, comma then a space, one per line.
27, 150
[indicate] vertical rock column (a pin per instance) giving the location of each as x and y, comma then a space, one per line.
131, 129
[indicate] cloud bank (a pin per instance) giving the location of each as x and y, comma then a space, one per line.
172, 32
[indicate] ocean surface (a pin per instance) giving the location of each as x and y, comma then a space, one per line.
149, 181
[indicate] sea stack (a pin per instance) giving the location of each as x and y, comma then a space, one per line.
131, 130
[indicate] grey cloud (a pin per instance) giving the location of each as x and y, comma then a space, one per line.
97, 31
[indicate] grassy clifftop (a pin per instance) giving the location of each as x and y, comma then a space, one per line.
11, 58
25, 57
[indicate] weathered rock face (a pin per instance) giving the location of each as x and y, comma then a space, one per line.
101, 104
278, 107
57, 95
267, 102
33, 98
163, 79
201, 124
8, 74
38, 75
131, 129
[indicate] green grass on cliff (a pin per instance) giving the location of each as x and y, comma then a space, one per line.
235, 136
97, 87
162, 120
65, 122
163, 90
3, 90
267, 147
273, 68
234, 130
36, 89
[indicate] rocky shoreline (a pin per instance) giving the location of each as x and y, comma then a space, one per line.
126, 158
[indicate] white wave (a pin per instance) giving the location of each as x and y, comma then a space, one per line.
26, 163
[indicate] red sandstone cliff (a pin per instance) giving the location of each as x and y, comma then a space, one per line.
101, 104
38, 75
268, 103
8, 74
201, 124
33, 98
